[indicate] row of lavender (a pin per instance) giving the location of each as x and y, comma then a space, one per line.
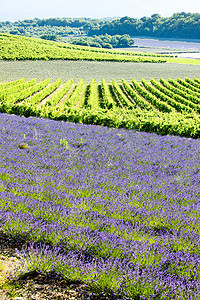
116, 209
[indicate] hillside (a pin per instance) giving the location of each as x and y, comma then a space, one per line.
25, 48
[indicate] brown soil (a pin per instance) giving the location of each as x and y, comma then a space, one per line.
34, 286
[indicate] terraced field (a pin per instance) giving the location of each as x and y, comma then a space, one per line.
164, 106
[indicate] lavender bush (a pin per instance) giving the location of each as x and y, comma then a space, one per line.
115, 208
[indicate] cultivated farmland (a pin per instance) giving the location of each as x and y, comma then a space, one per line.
164, 106
116, 209
113, 208
25, 48
88, 70
99, 170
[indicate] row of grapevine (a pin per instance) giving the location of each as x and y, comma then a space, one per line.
160, 105
16, 88
74, 97
126, 103
6, 85
182, 87
45, 91
92, 99
52, 101
179, 91
145, 96
108, 99
193, 83
188, 85
174, 96
197, 80
170, 101
114, 51
15, 98
141, 102
144, 106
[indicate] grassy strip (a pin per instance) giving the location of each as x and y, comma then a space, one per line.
185, 61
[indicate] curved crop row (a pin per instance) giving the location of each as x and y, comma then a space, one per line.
193, 83
114, 51
7, 85
162, 106
84, 103
174, 96
197, 80
16, 88
180, 91
109, 102
170, 101
188, 85
92, 99
37, 98
73, 98
184, 88
138, 99
122, 97
12, 100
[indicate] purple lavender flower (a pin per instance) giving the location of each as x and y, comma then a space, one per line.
117, 209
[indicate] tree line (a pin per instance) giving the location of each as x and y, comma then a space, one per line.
179, 25
104, 41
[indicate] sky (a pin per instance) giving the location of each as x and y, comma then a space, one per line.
13, 10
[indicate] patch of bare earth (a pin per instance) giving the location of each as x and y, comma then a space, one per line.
33, 285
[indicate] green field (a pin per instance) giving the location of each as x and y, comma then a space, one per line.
187, 61
25, 48
14, 47
36, 58
164, 106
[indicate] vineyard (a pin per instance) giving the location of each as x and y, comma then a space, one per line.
25, 48
164, 106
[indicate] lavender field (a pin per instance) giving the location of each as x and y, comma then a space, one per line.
116, 209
